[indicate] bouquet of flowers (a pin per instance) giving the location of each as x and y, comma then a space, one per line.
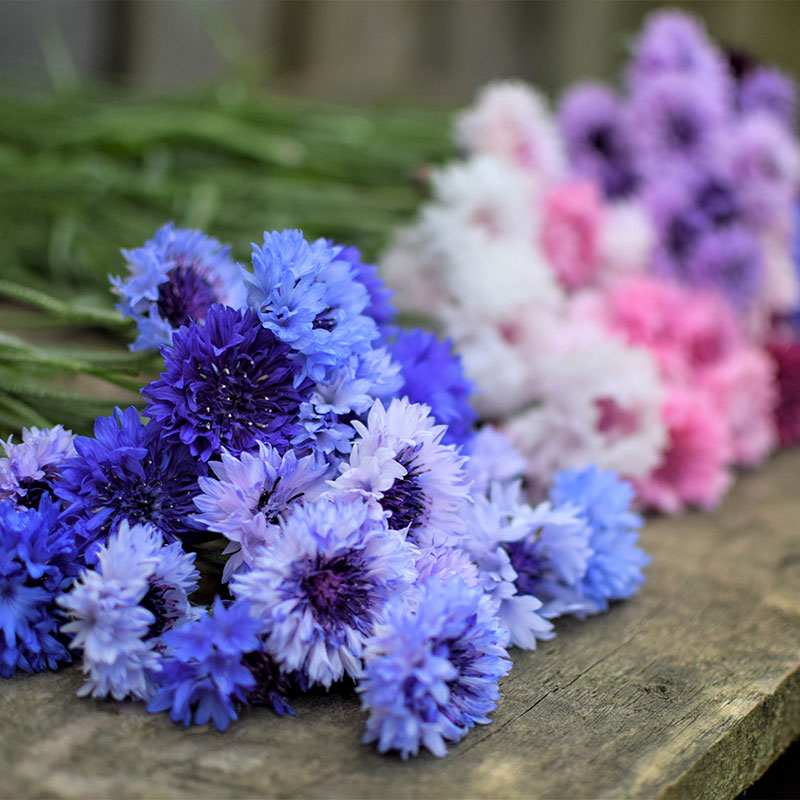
618, 276
320, 470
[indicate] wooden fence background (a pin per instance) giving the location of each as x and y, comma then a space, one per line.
422, 51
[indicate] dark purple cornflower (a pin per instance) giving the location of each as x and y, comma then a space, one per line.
229, 383
127, 471
594, 125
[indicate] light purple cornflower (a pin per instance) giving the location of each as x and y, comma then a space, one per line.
139, 588
250, 494
400, 465
323, 586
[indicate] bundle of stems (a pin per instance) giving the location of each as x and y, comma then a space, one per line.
91, 170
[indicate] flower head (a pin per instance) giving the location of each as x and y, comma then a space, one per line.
229, 383
765, 162
675, 43
680, 123
573, 214
400, 464
729, 262
694, 466
31, 467
785, 353
598, 138
432, 668
769, 90
311, 299
139, 588
175, 278
511, 120
603, 503
250, 494
204, 674
433, 375
323, 586
127, 472
37, 562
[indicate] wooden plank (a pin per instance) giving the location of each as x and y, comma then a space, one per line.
690, 690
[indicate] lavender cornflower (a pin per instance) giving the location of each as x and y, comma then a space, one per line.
324, 584
434, 376
229, 383
433, 668
729, 261
249, 496
603, 501
31, 467
311, 300
551, 558
595, 128
127, 472
400, 464
139, 588
175, 278
766, 89
674, 43
680, 124
37, 561
765, 163
492, 521
213, 666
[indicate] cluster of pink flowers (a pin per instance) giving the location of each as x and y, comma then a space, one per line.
613, 274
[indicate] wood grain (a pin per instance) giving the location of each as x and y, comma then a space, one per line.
688, 691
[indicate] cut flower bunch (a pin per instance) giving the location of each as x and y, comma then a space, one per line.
620, 277
368, 532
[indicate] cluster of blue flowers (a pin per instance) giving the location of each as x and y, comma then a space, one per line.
370, 532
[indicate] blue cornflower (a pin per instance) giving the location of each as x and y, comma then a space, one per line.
311, 300
380, 306
603, 501
175, 278
433, 375
139, 588
203, 675
37, 561
432, 668
400, 464
30, 467
350, 391
492, 521
324, 584
249, 495
127, 472
228, 383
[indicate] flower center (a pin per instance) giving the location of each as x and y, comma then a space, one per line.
406, 498
155, 601
681, 132
34, 491
528, 565
338, 591
184, 296
601, 141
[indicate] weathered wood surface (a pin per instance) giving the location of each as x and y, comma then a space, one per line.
690, 690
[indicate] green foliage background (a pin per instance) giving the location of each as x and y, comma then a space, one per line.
86, 172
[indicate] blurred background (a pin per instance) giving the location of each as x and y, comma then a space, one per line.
356, 51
